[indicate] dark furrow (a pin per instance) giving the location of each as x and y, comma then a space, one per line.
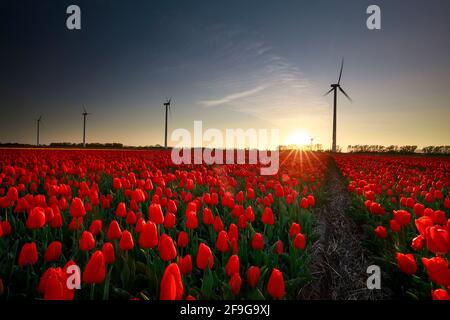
339, 261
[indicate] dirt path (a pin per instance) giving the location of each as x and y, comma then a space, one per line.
339, 260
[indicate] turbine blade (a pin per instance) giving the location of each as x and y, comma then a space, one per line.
328, 92
348, 97
340, 73
84, 109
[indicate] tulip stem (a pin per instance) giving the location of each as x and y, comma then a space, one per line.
28, 276
92, 291
106, 286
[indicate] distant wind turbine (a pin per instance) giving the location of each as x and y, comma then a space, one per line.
167, 106
334, 88
85, 113
38, 121
312, 138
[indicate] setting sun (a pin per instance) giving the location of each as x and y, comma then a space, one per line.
299, 139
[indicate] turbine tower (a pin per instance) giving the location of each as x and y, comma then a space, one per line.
334, 88
85, 113
167, 106
38, 121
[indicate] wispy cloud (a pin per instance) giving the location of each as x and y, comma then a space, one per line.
231, 97
252, 77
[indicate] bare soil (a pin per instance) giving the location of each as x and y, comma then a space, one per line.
339, 260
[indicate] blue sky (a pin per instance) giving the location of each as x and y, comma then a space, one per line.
232, 64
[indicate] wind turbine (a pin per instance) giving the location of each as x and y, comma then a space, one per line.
334, 88
167, 106
312, 138
38, 121
85, 113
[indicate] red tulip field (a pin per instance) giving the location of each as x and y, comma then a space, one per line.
139, 227
404, 202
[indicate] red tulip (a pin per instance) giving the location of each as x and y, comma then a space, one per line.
138, 195
233, 265
299, 242
311, 200
166, 248
304, 203
418, 209
381, 232
191, 220
235, 283
121, 210
423, 223
126, 241
249, 214
447, 203
171, 283
36, 219
233, 232
171, 206
87, 241
117, 184
204, 257
218, 224
406, 263
402, 217
440, 294
437, 239
109, 253
222, 244
417, 243
76, 224
156, 214
279, 247
437, 270
96, 227
53, 251
294, 230
253, 274
182, 239
77, 209
185, 264
139, 225
95, 270
53, 284
250, 194
28, 255
169, 220
395, 226
148, 237
131, 217
114, 231
268, 217
56, 222
208, 217
275, 287
439, 217
6, 227
13, 194
258, 241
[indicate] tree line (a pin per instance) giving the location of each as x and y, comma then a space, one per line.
407, 149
